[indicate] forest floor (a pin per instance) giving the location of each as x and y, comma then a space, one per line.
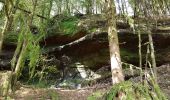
29, 93
25, 93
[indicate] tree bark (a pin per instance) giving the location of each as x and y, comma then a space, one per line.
9, 12
116, 68
152, 55
20, 60
2, 34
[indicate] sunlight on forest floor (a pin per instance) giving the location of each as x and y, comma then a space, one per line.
30, 93
25, 93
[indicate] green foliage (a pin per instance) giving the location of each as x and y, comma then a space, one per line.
136, 91
53, 95
39, 84
36, 83
159, 94
34, 58
11, 38
95, 95
40, 74
17, 51
128, 55
28, 48
68, 26
21, 51
48, 72
92, 30
63, 25
31, 51
123, 87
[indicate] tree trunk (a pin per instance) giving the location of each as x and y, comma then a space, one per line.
19, 65
152, 55
9, 12
67, 7
89, 7
116, 68
5, 86
59, 7
2, 34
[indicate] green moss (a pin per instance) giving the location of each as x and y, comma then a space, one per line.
128, 55
53, 95
35, 83
101, 57
135, 91
68, 26
63, 25
95, 95
11, 38
93, 30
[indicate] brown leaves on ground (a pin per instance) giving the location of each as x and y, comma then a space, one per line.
28, 93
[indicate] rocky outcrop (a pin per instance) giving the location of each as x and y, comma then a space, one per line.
91, 42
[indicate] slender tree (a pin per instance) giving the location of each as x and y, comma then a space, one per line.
7, 9
89, 6
116, 68
19, 63
68, 6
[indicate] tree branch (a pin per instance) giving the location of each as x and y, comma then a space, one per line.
23, 10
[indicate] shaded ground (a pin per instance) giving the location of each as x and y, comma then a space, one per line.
28, 93
164, 79
25, 93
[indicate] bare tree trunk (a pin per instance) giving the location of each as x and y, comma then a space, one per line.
96, 6
140, 54
89, 7
116, 68
2, 34
9, 12
152, 55
33, 12
59, 7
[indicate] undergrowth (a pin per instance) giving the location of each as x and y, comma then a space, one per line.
131, 91
68, 26
136, 91
63, 25
11, 38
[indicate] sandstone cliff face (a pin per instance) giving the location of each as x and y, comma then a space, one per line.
89, 43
